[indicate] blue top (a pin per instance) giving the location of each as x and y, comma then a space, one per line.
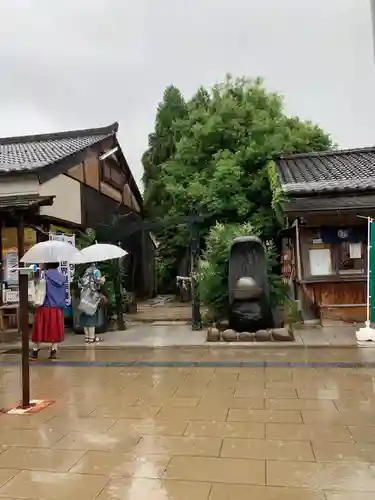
55, 289
97, 274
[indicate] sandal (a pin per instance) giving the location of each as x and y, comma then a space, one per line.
95, 340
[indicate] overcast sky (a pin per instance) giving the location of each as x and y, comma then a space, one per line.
87, 63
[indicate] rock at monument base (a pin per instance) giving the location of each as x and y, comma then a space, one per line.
229, 335
213, 335
246, 337
282, 334
263, 336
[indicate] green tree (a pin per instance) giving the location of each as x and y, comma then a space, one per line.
162, 146
223, 142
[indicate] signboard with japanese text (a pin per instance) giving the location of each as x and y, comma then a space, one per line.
65, 268
10, 267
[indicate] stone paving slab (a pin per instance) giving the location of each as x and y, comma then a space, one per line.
182, 431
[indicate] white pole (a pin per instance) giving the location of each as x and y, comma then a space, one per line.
369, 221
367, 333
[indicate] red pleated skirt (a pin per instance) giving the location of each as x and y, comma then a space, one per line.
48, 325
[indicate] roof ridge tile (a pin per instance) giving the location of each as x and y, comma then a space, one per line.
68, 134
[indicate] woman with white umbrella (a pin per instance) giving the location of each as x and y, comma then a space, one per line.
49, 316
90, 286
91, 297
48, 325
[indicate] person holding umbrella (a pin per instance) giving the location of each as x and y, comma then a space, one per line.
90, 286
49, 317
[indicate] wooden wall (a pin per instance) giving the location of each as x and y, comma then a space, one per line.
98, 209
92, 178
348, 314
343, 300
111, 192
332, 293
101, 198
89, 173
77, 173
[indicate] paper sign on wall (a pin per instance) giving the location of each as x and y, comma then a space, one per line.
11, 262
320, 261
355, 250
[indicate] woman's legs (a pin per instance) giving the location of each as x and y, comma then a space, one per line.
90, 333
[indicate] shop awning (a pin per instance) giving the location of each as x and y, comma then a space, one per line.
23, 202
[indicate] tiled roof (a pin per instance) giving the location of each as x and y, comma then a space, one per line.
23, 202
29, 153
347, 170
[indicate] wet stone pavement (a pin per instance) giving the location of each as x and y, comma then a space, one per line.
192, 424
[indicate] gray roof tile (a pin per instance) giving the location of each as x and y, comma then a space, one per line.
347, 170
28, 153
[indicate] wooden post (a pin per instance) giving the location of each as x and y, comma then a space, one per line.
298, 250
23, 315
118, 297
196, 320
145, 277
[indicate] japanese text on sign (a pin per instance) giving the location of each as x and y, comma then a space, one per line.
65, 268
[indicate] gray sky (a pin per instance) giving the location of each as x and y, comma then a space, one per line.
87, 63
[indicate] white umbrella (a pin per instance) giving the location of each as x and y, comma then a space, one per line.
53, 251
102, 251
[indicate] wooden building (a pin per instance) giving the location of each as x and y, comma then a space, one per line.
85, 178
327, 197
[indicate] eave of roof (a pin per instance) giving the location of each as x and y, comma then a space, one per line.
107, 130
24, 202
340, 203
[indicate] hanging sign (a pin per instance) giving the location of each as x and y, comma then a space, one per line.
10, 266
65, 268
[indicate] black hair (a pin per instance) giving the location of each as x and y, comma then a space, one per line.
52, 265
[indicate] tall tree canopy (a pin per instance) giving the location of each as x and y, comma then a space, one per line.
214, 149
162, 147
